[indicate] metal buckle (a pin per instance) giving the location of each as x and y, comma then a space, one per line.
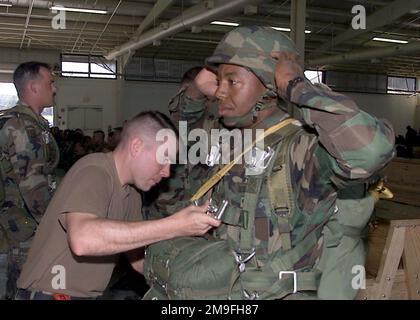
240, 260
250, 296
281, 273
259, 161
218, 215
216, 211
46, 137
213, 156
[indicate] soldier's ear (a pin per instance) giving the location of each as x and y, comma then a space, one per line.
33, 86
136, 147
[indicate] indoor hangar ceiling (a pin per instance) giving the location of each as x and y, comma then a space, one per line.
182, 29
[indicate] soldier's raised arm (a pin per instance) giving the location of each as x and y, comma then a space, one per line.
360, 143
189, 104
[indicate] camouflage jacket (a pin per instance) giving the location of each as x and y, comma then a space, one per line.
340, 145
29, 154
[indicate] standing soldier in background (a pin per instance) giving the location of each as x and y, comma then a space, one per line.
29, 155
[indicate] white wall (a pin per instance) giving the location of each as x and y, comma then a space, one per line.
140, 96
417, 117
120, 100
79, 92
398, 109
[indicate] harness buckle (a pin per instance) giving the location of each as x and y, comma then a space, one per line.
243, 257
258, 160
281, 273
213, 156
250, 296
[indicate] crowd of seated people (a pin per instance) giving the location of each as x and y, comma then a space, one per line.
74, 144
408, 146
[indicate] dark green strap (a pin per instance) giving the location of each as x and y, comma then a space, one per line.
251, 196
253, 190
271, 286
305, 281
285, 261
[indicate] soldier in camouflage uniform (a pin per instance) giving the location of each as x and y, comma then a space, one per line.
29, 155
333, 145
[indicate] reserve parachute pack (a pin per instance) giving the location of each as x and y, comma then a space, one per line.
208, 268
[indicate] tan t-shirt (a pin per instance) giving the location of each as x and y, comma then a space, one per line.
92, 186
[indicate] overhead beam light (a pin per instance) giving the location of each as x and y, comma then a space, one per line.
389, 40
288, 29
61, 8
5, 4
223, 23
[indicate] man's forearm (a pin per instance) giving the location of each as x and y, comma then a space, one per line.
98, 237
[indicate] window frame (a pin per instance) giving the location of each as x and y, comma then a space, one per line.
323, 79
402, 91
89, 72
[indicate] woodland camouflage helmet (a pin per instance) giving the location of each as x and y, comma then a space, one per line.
250, 47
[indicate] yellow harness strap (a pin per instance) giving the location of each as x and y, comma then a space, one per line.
222, 172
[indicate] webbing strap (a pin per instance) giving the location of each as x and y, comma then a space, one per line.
253, 189
286, 260
280, 187
251, 196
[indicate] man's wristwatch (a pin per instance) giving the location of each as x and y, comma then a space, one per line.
292, 84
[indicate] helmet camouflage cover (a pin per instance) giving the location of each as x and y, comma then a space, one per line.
250, 47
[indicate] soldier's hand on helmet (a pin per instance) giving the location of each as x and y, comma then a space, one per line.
206, 82
288, 68
193, 220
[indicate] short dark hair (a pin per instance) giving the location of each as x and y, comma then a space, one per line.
161, 119
25, 72
149, 122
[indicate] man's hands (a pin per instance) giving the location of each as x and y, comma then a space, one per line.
194, 220
288, 68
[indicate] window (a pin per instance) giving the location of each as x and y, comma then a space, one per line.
401, 85
315, 76
8, 95
356, 82
9, 98
83, 66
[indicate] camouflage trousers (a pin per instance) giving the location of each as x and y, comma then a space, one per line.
3, 275
11, 264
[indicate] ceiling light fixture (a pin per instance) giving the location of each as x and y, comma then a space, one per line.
223, 23
288, 29
5, 4
61, 8
389, 40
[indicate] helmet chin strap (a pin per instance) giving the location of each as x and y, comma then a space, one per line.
266, 101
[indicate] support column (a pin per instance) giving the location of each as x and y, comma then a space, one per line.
297, 24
